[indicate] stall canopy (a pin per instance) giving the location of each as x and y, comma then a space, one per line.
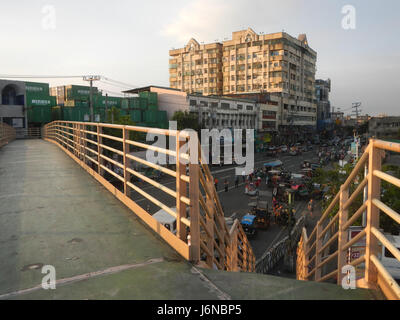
248, 219
273, 164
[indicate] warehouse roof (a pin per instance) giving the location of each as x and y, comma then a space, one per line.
148, 88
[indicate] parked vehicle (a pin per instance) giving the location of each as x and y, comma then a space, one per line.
284, 148
166, 219
249, 225
262, 213
251, 189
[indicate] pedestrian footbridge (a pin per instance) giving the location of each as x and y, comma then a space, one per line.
63, 205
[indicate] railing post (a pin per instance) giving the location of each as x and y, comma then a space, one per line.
318, 246
234, 250
374, 190
180, 190
343, 235
210, 224
99, 149
194, 213
124, 150
305, 256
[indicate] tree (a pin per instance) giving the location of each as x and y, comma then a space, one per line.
186, 120
390, 194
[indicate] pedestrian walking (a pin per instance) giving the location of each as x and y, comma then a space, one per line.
311, 207
236, 181
266, 180
226, 184
244, 176
216, 183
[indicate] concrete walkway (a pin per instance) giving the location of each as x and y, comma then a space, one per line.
53, 213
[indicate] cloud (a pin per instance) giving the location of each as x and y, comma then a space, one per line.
199, 19
208, 20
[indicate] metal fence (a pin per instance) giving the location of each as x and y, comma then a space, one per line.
202, 235
273, 255
318, 253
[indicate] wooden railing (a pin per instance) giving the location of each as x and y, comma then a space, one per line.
323, 253
202, 236
30, 133
7, 134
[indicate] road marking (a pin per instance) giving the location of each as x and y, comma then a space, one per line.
210, 285
85, 276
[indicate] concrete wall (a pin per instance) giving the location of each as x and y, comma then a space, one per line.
12, 111
171, 101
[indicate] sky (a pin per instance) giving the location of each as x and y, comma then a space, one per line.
128, 40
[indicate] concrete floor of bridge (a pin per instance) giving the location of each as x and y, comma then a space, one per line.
53, 213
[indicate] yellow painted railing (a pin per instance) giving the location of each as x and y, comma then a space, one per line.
202, 236
322, 254
7, 134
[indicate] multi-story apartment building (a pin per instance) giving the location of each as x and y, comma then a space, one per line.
384, 127
322, 90
197, 68
276, 63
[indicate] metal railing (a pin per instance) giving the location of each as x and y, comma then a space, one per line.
202, 235
272, 256
323, 253
29, 133
7, 134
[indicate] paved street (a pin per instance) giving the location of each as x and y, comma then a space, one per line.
235, 201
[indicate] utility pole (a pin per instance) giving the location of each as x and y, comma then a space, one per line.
106, 107
356, 106
91, 79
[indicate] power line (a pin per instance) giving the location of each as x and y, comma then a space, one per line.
36, 76
130, 86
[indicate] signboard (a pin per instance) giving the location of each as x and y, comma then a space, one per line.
353, 148
357, 250
17, 123
267, 138
86, 117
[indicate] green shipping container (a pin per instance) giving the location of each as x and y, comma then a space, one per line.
133, 103
111, 102
151, 97
136, 116
150, 116
162, 119
36, 100
56, 113
39, 114
153, 107
143, 103
79, 92
37, 88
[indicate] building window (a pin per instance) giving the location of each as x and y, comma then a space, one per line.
225, 106
232, 68
232, 88
249, 108
240, 107
193, 102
